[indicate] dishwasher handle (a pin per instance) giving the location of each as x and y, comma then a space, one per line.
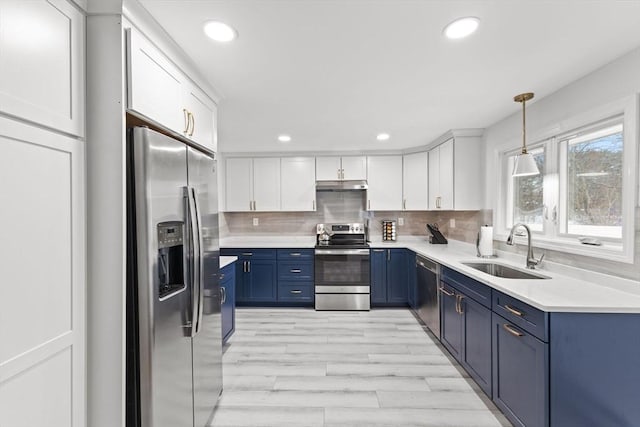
427, 263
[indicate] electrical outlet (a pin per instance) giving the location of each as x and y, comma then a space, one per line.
400, 221
452, 223
256, 222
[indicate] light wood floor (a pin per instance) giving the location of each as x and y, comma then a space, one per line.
299, 367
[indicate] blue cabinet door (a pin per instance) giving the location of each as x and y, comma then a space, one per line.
476, 345
450, 321
520, 374
227, 283
412, 279
378, 276
397, 276
260, 281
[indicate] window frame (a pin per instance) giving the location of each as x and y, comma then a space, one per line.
551, 138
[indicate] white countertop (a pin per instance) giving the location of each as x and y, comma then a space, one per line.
568, 289
226, 260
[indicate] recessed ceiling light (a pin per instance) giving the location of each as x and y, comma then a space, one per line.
462, 27
284, 138
383, 136
219, 31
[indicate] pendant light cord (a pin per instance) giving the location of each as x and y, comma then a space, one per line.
524, 131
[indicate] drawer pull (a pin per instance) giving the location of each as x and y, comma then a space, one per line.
295, 254
446, 292
295, 270
378, 250
513, 310
247, 253
295, 292
512, 331
221, 276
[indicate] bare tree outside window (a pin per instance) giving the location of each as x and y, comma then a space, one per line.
594, 183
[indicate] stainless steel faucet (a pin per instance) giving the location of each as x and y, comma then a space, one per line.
531, 261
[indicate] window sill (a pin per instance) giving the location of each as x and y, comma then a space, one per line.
608, 251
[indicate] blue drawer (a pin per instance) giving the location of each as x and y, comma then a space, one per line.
295, 270
295, 291
532, 320
470, 287
250, 253
295, 254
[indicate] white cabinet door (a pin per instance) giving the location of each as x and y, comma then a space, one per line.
298, 186
42, 296
202, 115
385, 183
446, 175
415, 182
42, 63
328, 168
354, 167
239, 184
434, 178
155, 85
266, 184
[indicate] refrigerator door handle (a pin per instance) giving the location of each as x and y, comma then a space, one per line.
193, 266
200, 257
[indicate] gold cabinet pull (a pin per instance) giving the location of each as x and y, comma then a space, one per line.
513, 310
512, 331
186, 121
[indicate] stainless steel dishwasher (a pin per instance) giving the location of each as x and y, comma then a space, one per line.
428, 293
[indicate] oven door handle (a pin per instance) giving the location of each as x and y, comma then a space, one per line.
342, 252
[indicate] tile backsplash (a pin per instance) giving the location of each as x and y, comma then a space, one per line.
349, 206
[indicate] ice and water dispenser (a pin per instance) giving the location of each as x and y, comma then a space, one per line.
170, 258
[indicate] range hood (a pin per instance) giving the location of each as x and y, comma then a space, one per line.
354, 185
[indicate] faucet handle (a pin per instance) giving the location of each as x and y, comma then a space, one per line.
539, 260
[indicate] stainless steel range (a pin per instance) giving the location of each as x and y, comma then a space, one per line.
342, 267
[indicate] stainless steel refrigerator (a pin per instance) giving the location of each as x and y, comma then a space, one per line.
174, 342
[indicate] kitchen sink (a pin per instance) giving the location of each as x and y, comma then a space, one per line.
503, 271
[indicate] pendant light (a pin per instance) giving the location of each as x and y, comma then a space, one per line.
525, 164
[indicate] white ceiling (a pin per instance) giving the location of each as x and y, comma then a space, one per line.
334, 73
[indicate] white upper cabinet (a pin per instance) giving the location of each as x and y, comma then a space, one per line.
385, 183
202, 111
455, 180
42, 63
160, 91
354, 167
415, 179
252, 184
239, 184
328, 168
341, 168
298, 183
266, 184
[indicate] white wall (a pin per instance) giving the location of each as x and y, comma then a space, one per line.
613, 82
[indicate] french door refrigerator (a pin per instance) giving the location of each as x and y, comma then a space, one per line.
174, 342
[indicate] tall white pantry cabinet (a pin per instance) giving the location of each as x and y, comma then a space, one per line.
42, 256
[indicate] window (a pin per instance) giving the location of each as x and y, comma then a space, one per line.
585, 188
594, 183
526, 194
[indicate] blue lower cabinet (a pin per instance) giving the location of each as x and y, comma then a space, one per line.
378, 277
295, 277
389, 277
295, 292
465, 326
228, 286
520, 374
450, 321
260, 284
476, 345
256, 275
412, 280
